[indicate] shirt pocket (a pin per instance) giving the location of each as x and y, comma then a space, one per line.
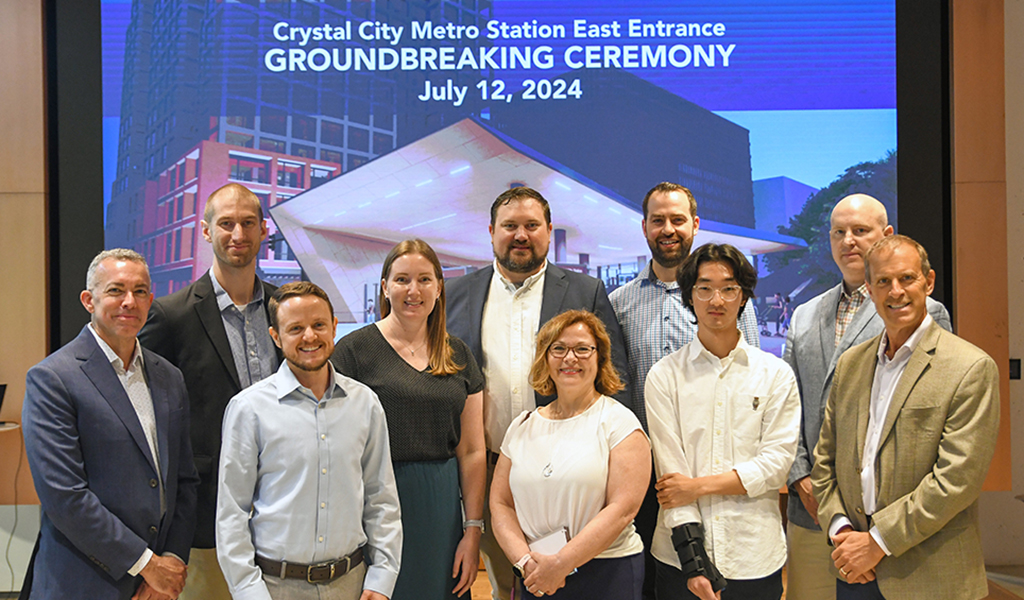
747, 416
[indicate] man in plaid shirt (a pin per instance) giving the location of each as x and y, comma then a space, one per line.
654, 320
820, 331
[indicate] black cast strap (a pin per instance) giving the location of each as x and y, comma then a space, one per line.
688, 540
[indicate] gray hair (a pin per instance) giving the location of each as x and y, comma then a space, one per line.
91, 279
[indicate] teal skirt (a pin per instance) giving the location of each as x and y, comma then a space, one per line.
431, 528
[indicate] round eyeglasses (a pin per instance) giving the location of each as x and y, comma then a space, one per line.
728, 293
561, 350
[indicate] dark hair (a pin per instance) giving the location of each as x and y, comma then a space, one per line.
607, 381
441, 361
666, 187
742, 271
890, 243
232, 190
517, 194
294, 290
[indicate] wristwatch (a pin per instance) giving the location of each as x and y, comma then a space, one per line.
518, 567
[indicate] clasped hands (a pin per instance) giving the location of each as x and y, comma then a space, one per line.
545, 574
163, 578
856, 555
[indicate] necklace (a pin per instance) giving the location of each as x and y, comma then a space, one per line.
409, 348
548, 469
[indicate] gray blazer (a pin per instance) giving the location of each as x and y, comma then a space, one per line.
812, 353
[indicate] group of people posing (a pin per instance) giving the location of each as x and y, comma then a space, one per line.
589, 447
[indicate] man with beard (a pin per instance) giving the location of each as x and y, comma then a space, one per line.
498, 310
655, 321
215, 331
307, 505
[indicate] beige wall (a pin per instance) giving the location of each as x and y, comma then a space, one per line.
23, 315
1001, 513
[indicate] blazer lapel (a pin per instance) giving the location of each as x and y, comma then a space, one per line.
916, 366
209, 315
826, 318
99, 370
861, 391
555, 287
158, 386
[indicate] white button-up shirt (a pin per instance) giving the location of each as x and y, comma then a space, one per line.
508, 332
708, 416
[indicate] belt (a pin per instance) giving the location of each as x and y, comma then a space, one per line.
325, 571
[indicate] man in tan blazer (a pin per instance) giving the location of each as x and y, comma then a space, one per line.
909, 431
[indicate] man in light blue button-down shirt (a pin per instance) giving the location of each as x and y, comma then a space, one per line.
307, 505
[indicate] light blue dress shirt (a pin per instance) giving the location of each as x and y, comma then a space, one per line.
252, 348
306, 481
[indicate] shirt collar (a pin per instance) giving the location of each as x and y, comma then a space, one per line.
224, 300
696, 350
908, 346
647, 274
527, 283
134, 361
286, 383
862, 292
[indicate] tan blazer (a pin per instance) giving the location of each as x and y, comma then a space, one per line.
937, 442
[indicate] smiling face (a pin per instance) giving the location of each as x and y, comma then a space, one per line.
120, 301
235, 229
305, 332
520, 237
669, 227
858, 221
412, 287
571, 372
716, 314
900, 290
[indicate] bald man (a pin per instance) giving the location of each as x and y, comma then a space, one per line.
216, 331
820, 331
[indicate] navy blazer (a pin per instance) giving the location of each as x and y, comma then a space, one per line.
95, 474
186, 328
563, 290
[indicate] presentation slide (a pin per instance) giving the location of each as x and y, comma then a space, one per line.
362, 123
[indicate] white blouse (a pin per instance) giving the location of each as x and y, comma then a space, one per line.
559, 470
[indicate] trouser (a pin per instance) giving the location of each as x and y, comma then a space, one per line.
858, 591
499, 569
205, 579
347, 587
810, 557
670, 584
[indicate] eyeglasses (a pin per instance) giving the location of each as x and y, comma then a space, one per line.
561, 350
728, 293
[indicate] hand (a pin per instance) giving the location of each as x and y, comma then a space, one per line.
145, 592
548, 576
803, 489
676, 489
700, 586
467, 560
165, 574
371, 595
856, 555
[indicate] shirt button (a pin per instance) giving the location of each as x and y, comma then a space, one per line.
667, 349
718, 432
321, 538
153, 483
153, 529
719, 403
515, 390
323, 505
323, 436
324, 471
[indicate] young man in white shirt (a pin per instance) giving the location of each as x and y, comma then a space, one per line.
724, 418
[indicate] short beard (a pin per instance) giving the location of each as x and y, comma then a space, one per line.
527, 266
670, 262
310, 368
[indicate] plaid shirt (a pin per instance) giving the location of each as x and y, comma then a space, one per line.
849, 304
656, 323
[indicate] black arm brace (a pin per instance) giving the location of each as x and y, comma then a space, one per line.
688, 540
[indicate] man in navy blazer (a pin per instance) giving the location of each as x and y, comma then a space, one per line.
109, 451
497, 312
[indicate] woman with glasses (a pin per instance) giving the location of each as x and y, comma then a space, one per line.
572, 474
432, 393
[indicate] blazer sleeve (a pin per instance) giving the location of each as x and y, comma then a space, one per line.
824, 484
965, 450
603, 310
50, 422
183, 524
802, 463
